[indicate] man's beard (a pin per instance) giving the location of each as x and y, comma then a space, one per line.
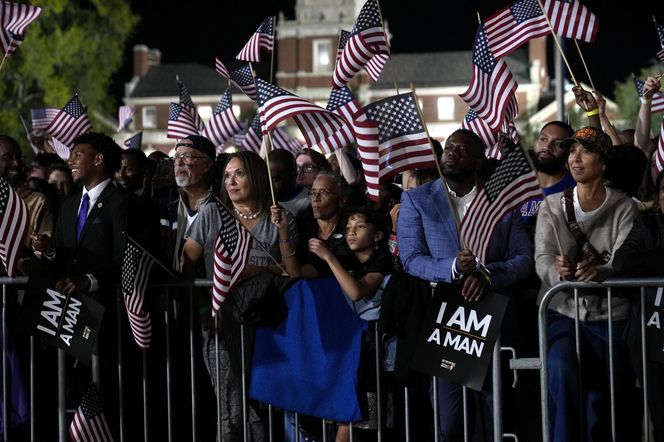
549, 166
458, 175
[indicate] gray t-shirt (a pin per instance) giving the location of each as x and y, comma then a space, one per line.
205, 228
298, 203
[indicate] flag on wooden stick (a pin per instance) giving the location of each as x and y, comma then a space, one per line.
263, 38
366, 40
70, 122
13, 226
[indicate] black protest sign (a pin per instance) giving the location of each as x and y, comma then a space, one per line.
67, 322
457, 337
654, 318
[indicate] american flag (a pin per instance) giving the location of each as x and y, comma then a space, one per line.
241, 76
281, 139
254, 136
262, 38
374, 67
136, 267
403, 141
223, 124
237, 139
89, 422
366, 133
70, 122
657, 98
13, 226
366, 40
492, 86
511, 184
570, 19
477, 125
125, 117
181, 122
188, 103
514, 25
276, 105
9, 42
62, 150
343, 39
660, 37
659, 158
231, 255
134, 142
343, 103
42, 117
14, 20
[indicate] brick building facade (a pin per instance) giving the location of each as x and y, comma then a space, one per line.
306, 48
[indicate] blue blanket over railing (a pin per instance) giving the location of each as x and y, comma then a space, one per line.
309, 362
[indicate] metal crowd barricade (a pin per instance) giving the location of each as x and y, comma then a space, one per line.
64, 415
608, 285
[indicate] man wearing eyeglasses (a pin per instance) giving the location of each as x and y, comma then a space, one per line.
178, 207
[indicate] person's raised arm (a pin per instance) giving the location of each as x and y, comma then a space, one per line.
642, 132
586, 101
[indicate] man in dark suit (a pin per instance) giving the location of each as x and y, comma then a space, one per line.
87, 253
430, 249
89, 236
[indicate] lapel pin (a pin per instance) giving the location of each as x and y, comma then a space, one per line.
100, 205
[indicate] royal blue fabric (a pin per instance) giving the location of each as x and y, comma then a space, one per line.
309, 362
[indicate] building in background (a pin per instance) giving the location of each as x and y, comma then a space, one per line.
306, 48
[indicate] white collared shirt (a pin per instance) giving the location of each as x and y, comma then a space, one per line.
461, 203
93, 194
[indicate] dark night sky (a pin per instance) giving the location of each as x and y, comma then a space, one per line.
193, 32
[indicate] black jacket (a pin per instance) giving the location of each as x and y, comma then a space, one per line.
642, 253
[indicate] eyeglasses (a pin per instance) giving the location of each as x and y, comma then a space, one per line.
187, 157
307, 168
313, 194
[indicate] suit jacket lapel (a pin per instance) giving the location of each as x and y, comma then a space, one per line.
96, 208
439, 200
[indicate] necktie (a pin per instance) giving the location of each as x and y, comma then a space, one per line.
82, 215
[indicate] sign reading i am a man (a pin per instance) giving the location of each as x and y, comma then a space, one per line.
68, 322
654, 308
457, 337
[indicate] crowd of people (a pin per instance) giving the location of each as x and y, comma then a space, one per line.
601, 214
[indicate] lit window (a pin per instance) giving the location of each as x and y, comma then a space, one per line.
445, 108
149, 117
322, 55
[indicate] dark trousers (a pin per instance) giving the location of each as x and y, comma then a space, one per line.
450, 412
579, 398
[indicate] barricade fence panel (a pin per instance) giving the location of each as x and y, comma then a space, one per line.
178, 397
615, 338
